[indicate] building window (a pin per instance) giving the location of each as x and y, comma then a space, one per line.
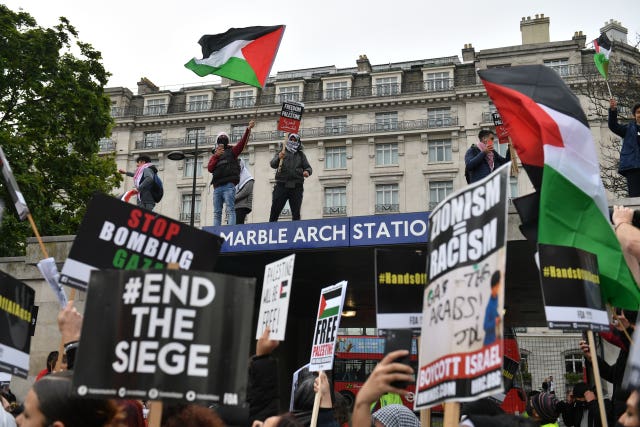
573, 362
286, 211
198, 103
438, 191
335, 201
387, 198
436, 82
195, 135
243, 99
236, 132
336, 90
561, 66
152, 139
244, 156
440, 151
385, 86
387, 154
156, 107
289, 93
185, 208
188, 167
439, 117
335, 158
387, 121
335, 125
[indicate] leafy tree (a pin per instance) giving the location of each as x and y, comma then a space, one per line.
53, 111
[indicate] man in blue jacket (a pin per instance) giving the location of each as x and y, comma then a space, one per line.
481, 159
629, 165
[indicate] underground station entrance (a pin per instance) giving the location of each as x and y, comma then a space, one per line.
319, 267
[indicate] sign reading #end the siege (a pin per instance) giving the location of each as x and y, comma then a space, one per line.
16, 307
290, 116
121, 236
327, 324
571, 288
464, 300
170, 335
274, 303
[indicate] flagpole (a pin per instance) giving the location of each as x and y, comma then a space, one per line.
609, 88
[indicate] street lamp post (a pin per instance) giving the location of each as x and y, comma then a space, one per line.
179, 155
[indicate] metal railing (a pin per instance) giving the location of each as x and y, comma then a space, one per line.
334, 210
186, 216
387, 208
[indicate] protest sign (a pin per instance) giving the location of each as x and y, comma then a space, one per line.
290, 116
401, 276
12, 186
463, 303
16, 306
501, 131
571, 289
327, 324
276, 292
166, 335
118, 235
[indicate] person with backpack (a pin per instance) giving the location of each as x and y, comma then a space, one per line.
225, 169
144, 181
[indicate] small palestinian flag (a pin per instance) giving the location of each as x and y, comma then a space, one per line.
241, 54
283, 288
330, 303
603, 49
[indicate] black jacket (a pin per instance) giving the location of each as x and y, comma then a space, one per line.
293, 167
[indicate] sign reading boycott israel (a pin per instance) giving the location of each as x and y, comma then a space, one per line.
326, 330
117, 235
16, 307
463, 302
171, 335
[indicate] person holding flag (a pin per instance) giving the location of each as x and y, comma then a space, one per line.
629, 165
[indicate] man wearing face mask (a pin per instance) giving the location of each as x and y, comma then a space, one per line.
225, 169
292, 167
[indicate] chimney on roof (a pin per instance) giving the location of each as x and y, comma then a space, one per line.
468, 53
579, 38
364, 66
146, 86
535, 30
615, 31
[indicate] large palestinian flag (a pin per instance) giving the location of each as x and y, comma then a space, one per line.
242, 54
550, 133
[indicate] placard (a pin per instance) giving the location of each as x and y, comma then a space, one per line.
117, 235
464, 300
274, 303
16, 308
166, 335
327, 324
290, 116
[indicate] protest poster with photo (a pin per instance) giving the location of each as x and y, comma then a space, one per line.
464, 300
327, 324
16, 312
121, 236
166, 335
290, 116
401, 275
276, 292
570, 283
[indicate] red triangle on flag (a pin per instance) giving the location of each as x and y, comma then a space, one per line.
323, 305
261, 53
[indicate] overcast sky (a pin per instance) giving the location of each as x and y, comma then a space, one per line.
140, 38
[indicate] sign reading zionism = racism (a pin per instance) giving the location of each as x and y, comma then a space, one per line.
327, 324
117, 235
463, 302
167, 335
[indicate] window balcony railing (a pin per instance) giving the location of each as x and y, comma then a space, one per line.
106, 144
334, 210
387, 208
186, 216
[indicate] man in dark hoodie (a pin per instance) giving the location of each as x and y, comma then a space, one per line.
292, 167
143, 181
225, 168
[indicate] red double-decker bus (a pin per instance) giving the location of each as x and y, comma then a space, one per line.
355, 358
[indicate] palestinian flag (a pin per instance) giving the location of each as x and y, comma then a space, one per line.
551, 134
283, 288
603, 49
241, 54
330, 303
